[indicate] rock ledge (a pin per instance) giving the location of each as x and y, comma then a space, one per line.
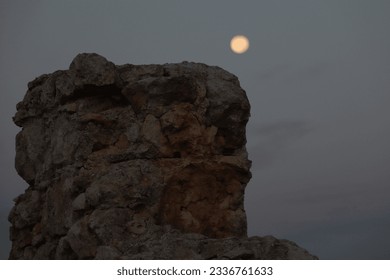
135, 162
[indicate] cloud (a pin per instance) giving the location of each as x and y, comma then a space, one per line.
273, 72
269, 140
358, 238
289, 73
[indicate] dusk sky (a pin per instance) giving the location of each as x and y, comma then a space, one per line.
317, 75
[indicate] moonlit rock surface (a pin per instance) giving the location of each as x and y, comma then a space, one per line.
135, 162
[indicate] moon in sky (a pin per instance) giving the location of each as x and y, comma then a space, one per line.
239, 44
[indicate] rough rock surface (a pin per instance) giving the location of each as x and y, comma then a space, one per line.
135, 162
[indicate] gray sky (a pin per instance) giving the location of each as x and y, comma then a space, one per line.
317, 75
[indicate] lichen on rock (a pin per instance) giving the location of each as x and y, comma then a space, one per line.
135, 162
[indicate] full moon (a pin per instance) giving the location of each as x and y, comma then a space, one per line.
239, 44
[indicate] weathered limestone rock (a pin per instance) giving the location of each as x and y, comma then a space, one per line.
135, 162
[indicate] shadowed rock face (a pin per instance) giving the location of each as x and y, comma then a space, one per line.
135, 162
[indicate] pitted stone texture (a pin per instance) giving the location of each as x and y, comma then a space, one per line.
133, 161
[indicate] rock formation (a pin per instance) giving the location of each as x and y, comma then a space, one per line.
135, 162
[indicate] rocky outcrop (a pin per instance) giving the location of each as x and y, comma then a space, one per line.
135, 162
